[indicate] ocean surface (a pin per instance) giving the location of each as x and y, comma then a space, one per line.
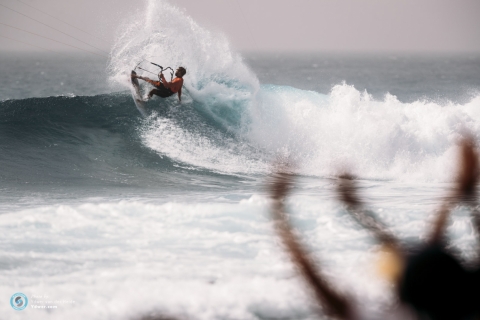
108, 213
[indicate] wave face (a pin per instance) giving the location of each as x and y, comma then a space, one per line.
70, 140
104, 140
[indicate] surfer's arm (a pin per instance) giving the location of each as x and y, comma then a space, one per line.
165, 83
154, 83
180, 95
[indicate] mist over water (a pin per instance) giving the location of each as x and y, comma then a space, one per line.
128, 215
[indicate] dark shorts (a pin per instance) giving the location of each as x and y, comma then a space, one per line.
161, 91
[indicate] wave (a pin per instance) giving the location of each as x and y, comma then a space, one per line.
60, 139
104, 138
379, 139
227, 123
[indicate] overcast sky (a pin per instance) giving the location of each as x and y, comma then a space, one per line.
262, 25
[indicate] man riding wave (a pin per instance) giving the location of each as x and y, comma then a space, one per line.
164, 88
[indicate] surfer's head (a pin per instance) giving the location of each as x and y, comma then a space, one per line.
180, 72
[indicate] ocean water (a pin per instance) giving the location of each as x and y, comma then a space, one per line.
109, 214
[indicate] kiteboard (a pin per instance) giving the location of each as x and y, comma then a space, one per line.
137, 94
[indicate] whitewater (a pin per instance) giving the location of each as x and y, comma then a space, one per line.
116, 215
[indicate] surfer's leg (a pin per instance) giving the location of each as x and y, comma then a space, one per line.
160, 91
153, 92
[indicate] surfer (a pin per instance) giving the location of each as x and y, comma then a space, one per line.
164, 88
